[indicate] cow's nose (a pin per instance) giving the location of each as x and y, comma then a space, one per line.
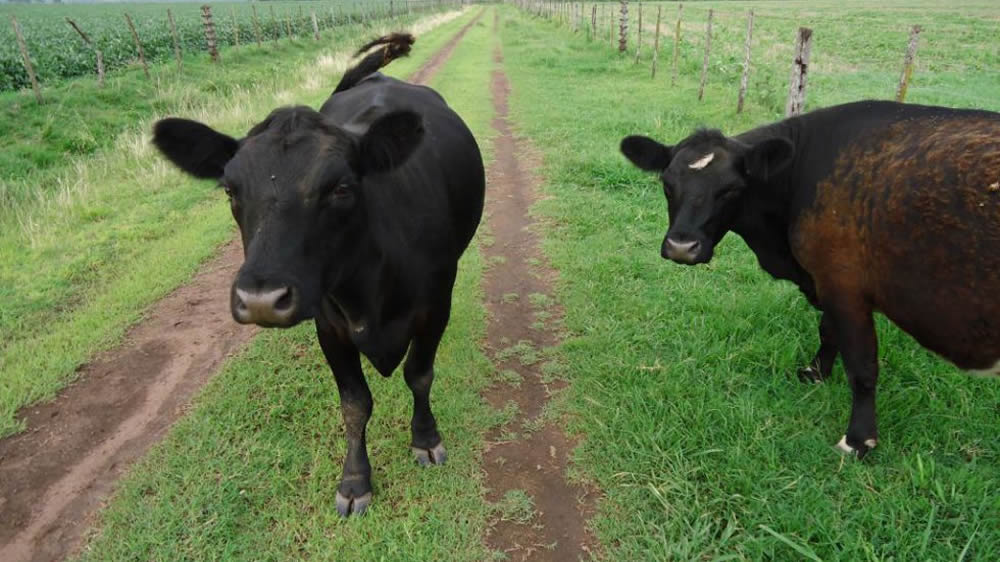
683, 251
270, 307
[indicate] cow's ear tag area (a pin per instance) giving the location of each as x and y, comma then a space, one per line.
389, 142
646, 153
194, 147
768, 158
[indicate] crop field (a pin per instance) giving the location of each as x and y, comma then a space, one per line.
692, 437
58, 52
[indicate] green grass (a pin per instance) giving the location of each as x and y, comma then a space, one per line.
252, 472
696, 429
99, 238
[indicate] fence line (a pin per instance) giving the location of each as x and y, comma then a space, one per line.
147, 43
619, 19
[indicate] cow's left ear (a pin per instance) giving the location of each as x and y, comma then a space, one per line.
389, 141
768, 157
194, 147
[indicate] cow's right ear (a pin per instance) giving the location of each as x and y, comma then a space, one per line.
646, 153
194, 147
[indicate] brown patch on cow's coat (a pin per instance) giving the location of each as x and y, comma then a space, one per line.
907, 224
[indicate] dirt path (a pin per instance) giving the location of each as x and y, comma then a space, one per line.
530, 454
55, 475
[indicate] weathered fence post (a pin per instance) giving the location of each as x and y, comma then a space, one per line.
623, 28
206, 20
236, 27
704, 62
288, 25
27, 59
138, 45
593, 23
315, 27
638, 35
911, 52
797, 88
677, 42
256, 23
97, 52
746, 64
611, 26
656, 39
177, 41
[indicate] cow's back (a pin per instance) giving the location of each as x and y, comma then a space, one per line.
432, 204
908, 217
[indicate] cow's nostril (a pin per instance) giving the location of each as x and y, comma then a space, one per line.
285, 302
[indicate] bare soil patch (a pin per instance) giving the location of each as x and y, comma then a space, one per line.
533, 457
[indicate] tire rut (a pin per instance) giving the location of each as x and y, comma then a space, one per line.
57, 474
531, 453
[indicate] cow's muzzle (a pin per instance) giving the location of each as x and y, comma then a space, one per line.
273, 307
682, 250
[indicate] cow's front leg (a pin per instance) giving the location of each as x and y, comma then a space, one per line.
355, 491
821, 366
855, 331
419, 373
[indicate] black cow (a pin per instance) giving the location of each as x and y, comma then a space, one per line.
865, 206
355, 216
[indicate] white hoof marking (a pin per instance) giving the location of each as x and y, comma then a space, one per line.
844, 447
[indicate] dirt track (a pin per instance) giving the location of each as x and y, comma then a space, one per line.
55, 475
535, 461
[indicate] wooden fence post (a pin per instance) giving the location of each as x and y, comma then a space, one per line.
704, 62
206, 20
593, 23
236, 27
27, 59
638, 35
623, 28
911, 52
288, 25
97, 52
256, 23
746, 64
177, 42
611, 26
315, 27
677, 41
656, 40
138, 45
797, 88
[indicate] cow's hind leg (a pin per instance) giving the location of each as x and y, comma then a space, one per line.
355, 491
821, 366
855, 333
419, 374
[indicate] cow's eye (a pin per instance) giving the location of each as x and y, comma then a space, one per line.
340, 196
229, 189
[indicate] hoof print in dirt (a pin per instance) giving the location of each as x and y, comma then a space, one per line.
858, 451
810, 375
434, 455
347, 506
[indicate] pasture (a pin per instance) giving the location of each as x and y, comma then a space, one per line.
677, 383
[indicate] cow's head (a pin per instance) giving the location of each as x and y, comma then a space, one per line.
296, 186
704, 178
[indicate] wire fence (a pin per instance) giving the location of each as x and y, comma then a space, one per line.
56, 42
956, 59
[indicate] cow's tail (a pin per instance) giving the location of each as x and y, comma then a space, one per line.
394, 45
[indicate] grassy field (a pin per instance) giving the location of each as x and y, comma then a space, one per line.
251, 473
704, 442
87, 243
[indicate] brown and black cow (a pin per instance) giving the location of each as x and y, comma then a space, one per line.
353, 216
868, 206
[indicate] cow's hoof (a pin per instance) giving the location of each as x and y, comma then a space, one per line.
347, 506
859, 451
435, 455
810, 375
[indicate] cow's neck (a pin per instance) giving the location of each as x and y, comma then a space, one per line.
768, 211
